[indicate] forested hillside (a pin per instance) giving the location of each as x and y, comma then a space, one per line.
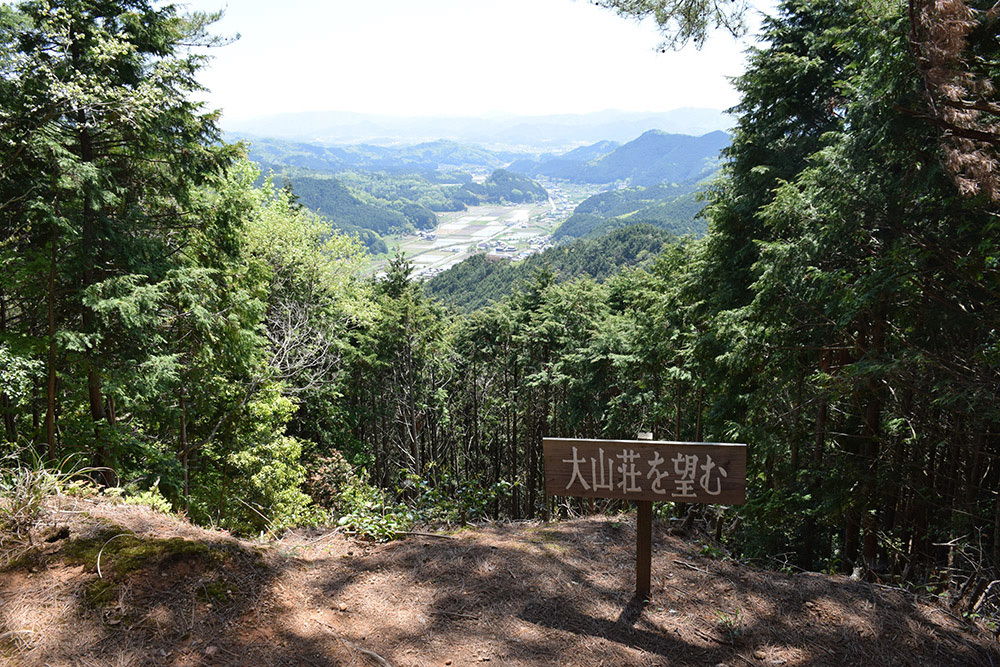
564, 165
207, 344
482, 280
672, 207
368, 220
369, 205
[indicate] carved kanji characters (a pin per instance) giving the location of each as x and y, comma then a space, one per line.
628, 471
576, 471
685, 465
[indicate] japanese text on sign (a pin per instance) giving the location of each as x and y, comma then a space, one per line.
681, 472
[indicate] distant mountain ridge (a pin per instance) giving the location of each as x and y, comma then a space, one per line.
552, 132
654, 157
442, 154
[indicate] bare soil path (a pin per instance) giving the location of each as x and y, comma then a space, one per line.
524, 594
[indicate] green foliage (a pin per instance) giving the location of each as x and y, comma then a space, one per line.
368, 513
26, 482
331, 198
682, 22
674, 208
174, 308
271, 501
162, 316
835, 317
415, 194
151, 498
503, 186
733, 625
478, 281
17, 373
449, 500
327, 476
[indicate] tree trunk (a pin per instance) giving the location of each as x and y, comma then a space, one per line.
677, 416
36, 412
796, 411
6, 405
184, 453
996, 532
819, 445
852, 529
50, 392
697, 430
873, 491
89, 250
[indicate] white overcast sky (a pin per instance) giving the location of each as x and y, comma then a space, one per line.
453, 58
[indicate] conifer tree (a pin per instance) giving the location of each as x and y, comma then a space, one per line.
104, 156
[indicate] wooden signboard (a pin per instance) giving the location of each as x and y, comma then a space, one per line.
683, 472
645, 471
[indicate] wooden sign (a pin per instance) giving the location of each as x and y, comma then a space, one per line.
644, 471
682, 472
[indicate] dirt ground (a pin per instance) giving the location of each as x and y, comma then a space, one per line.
120, 585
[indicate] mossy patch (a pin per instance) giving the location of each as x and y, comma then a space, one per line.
121, 552
550, 539
215, 591
116, 554
25, 560
100, 592
546, 535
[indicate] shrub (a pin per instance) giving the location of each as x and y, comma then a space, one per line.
25, 483
327, 477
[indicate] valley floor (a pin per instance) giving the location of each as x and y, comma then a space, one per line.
512, 231
118, 585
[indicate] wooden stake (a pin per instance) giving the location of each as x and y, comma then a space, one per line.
643, 547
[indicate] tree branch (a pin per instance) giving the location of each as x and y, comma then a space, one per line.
954, 130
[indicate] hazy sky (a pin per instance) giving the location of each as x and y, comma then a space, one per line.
454, 57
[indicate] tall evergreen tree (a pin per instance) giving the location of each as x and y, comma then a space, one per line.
105, 158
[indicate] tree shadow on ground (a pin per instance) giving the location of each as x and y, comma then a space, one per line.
527, 594
513, 594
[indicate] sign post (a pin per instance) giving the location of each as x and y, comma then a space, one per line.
643, 547
646, 471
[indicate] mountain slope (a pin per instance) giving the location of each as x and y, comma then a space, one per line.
479, 280
429, 156
667, 206
654, 157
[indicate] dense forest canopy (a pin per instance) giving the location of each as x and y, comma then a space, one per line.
209, 341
